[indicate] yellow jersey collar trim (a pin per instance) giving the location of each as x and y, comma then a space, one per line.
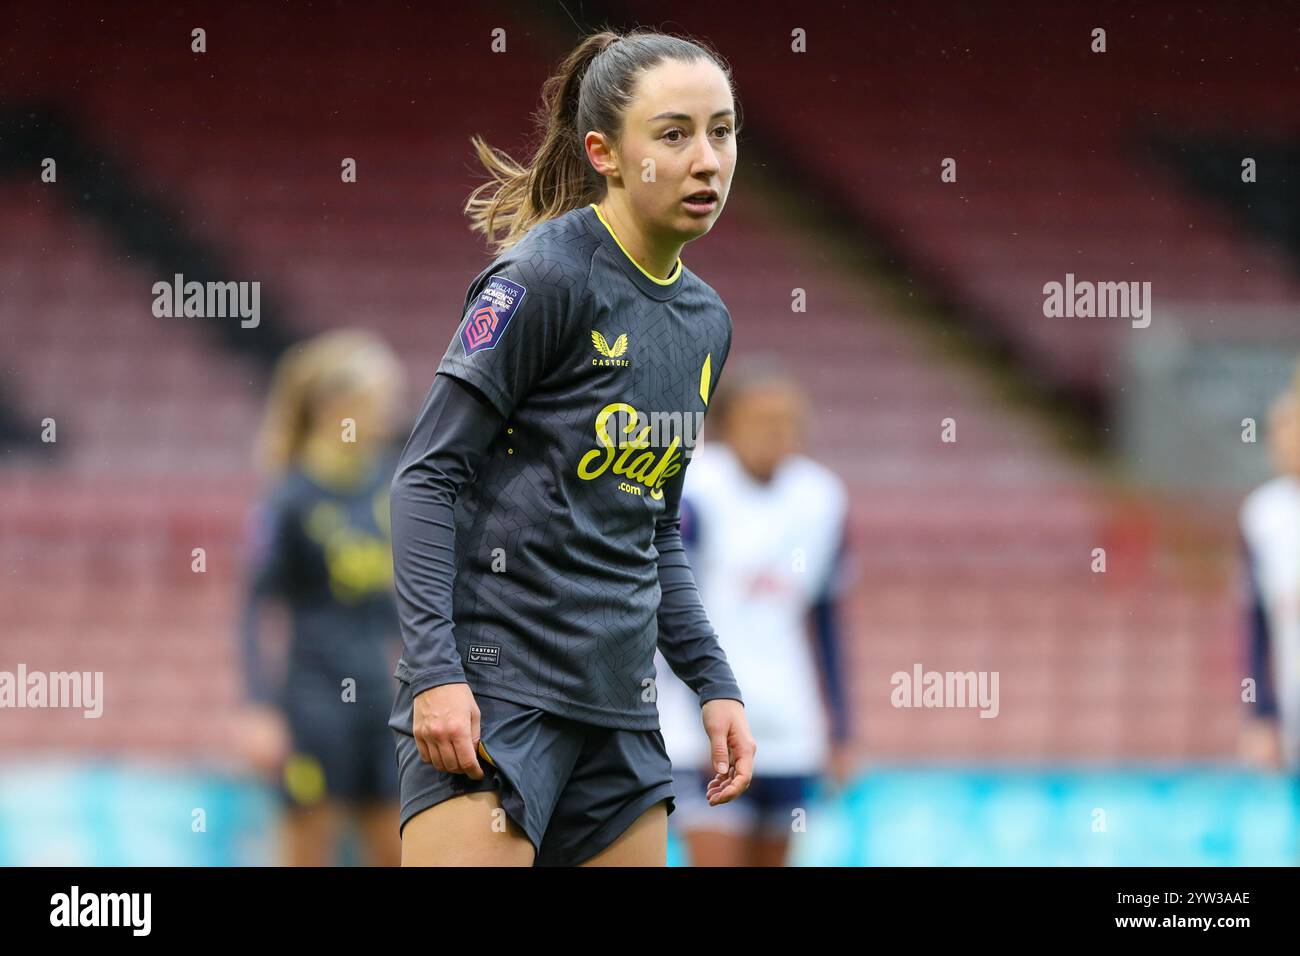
669, 281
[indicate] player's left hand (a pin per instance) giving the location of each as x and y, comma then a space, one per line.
732, 749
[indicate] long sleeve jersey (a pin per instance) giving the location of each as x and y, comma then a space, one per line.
536, 528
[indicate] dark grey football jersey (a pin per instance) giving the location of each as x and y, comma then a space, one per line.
603, 374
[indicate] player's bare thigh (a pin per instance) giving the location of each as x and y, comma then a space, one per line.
469, 830
714, 848
309, 834
644, 843
378, 825
717, 848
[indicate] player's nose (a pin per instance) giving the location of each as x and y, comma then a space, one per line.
705, 163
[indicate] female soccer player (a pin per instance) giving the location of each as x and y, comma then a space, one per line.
320, 545
764, 527
1269, 520
536, 541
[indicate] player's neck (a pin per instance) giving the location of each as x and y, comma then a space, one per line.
757, 477
660, 262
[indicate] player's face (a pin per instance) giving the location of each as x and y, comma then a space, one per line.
764, 426
371, 403
692, 148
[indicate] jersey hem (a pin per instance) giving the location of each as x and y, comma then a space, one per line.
571, 710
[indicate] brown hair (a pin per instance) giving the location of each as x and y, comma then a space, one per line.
329, 363
591, 91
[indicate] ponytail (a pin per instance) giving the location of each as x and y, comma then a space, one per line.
591, 91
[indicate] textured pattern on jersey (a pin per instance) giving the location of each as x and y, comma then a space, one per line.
557, 570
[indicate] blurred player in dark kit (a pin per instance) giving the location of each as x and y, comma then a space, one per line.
320, 546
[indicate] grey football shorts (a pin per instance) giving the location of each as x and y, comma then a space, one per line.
572, 787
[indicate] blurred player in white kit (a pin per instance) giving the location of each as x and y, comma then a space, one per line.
765, 529
1270, 530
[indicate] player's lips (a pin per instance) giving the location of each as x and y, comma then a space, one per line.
702, 202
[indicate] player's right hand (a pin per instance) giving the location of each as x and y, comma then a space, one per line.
445, 724
263, 737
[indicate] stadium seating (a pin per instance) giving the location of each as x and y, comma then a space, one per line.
971, 556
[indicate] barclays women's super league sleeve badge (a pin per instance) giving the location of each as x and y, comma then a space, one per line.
491, 314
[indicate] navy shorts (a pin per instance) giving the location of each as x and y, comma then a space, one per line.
340, 750
572, 787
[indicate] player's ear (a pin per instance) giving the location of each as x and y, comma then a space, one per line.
601, 154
